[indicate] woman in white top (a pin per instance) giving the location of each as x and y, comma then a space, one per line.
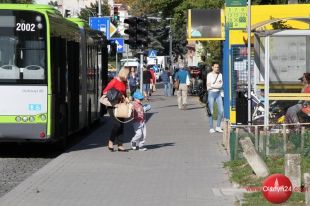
214, 87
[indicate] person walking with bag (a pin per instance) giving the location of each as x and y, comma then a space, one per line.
118, 83
182, 77
214, 87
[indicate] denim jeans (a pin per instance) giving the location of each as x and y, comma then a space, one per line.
167, 89
212, 97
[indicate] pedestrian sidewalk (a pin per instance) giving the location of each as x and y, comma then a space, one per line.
182, 167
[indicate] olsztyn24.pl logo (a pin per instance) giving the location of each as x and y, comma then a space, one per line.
277, 188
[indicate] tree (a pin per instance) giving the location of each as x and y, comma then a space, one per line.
92, 10
53, 3
280, 24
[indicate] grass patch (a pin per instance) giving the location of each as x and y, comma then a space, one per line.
242, 174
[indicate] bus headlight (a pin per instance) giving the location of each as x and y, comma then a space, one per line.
43, 117
31, 119
18, 119
25, 119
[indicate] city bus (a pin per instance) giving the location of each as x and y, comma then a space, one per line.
52, 71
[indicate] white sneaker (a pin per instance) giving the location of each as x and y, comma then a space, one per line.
142, 149
212, 131
133, 146
218, 129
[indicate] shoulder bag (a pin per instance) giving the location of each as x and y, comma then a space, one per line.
111, 98
104, 100
123, 110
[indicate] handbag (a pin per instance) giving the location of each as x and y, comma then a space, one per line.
123, 110
203, 96
104, 100
176, 84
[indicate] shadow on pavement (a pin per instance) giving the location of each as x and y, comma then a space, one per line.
193, 108
102, 134
44, 149
156, 146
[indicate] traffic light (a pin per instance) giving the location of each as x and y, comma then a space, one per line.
142, 32
67, 13
115, 14
132, 32
137, 32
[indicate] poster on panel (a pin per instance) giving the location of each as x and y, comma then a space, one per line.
205, 24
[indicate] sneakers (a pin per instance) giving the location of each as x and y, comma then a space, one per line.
218, 129
133, 146
142, 149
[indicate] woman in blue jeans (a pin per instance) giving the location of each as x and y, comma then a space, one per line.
214, 86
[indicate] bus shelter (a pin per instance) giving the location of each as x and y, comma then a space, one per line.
281, 57
266, 20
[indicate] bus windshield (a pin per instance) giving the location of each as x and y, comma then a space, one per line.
22, 47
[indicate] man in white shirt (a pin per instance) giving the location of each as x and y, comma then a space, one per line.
214, 87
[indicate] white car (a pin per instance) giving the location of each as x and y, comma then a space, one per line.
130, 63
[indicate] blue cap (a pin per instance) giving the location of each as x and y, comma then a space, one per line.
138, 95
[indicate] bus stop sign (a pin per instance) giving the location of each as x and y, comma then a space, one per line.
100, 24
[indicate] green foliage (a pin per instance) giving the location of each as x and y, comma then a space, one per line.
92, 10
280, 25
53, 3
159, 36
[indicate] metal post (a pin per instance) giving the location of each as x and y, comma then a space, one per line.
116, 62
284, 138
99, 8
266, 77
249, 62
141, 71
170, 46
127, 47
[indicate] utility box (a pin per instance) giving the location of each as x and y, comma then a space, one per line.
241, 108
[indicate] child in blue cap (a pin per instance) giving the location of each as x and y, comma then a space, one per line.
137, 142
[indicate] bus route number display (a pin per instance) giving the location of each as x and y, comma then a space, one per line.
25, 27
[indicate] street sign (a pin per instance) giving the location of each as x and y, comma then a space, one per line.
100, 24
236, 17
119, 44
152, 54
155, 68
113, 29
236, 2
